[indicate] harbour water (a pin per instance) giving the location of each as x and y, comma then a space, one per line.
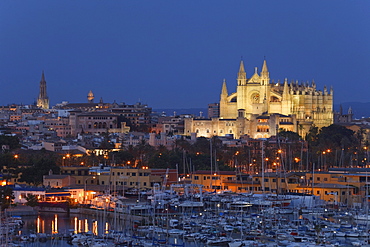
55, 227
266, 226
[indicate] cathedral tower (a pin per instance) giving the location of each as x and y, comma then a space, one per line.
43, 99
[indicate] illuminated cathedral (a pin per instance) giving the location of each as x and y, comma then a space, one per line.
260, 108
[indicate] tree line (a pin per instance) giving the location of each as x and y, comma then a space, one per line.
328, 147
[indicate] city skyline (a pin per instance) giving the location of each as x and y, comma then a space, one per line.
176, 54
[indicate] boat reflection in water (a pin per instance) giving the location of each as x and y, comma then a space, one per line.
56, 229
59, 226
59, 223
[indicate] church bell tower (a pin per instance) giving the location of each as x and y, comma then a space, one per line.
43, 99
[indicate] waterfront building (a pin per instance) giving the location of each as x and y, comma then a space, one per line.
213, 180
129, 179
57, 181
20, 193
113, 179
332, 193
260, 108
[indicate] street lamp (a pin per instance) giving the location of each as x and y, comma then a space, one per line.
85, 183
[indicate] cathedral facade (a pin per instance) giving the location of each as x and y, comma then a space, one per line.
260, 108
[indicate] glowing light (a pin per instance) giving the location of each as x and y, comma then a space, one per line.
86, 225
54, 225
95, 227
106, 227
75, 225
38, 224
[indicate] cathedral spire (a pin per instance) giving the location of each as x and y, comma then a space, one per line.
42, 76
264, 72
43, 100
265, 76
224, 88
286, 89
242, 76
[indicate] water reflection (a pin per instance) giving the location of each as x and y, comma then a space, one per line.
55, 223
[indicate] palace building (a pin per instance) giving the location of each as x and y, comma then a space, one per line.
259, 108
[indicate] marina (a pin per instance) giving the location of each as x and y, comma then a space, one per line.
226, 219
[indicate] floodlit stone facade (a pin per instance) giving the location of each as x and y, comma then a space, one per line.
259, 108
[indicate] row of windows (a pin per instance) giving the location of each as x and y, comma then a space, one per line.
273, 180
208, 131
58, 124
125, 183
133, 174
63, 133
333, 193
100, 125
284, 120
318, 179
100, 118
78, 172
263, 129
207, 177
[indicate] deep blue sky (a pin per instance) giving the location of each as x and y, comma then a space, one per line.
175, 54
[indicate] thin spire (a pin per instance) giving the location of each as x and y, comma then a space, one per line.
264, 72
43, 100
286, 89
241, 67
42, 76
242, 76
224, 88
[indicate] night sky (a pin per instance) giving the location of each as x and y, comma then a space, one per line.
175, 54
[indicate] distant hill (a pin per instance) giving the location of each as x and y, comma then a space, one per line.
359, 109
194, 111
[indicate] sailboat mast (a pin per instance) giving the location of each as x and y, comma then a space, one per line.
210, 151
263, 168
